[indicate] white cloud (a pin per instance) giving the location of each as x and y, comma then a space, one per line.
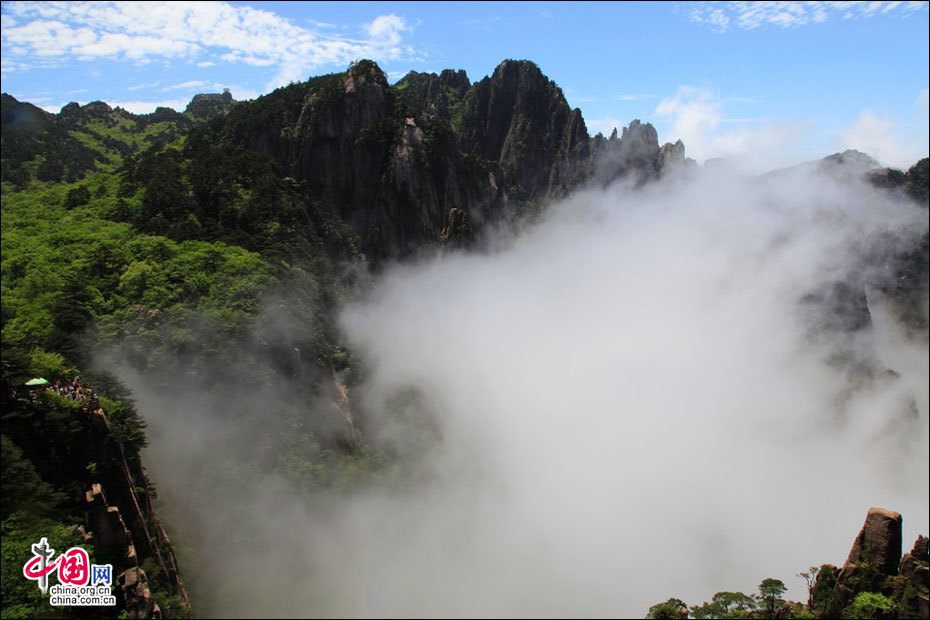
8, 65
715, 18
633, 97
142, 86
695, 115
205, 32
387, 29
721, 16
188, 85
320, 24
242, 93
885, 139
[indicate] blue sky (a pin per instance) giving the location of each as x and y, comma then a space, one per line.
762, 83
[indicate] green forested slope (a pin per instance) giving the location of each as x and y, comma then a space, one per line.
161, 249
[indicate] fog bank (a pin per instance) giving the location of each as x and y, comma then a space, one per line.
641, 396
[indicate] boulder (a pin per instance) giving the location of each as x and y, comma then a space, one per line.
878, 543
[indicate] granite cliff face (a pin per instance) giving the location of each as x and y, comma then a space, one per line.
434, 95
400, 164
519, 119
393, 177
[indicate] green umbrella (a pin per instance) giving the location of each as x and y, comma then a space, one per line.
37, 381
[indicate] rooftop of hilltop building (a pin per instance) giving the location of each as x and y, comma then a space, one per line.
207, 105
226, 95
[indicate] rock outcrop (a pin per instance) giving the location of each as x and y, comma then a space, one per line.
112, 539
639, 145
635, 156
670, 156
912, 586
136, 595
877, 545
205, 106
875, 565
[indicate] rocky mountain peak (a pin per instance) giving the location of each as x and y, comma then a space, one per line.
89, 111
520, 119
455, 79
364, 72
852, 157
635, 154
509, 69
639, 141
850, 163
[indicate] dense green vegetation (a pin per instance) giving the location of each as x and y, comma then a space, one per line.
36, 145
727, 604
859, 599
73, 279
159, 246
39, 146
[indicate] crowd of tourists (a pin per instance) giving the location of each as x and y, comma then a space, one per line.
77, 391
